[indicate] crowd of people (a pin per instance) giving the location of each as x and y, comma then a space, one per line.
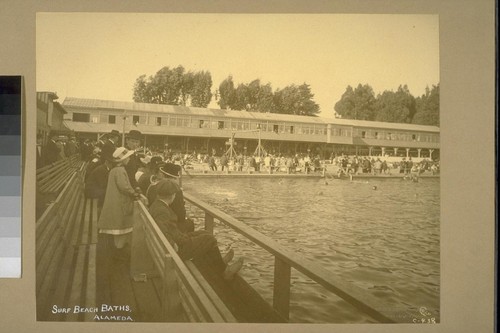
56, 148
116, 176
354, 165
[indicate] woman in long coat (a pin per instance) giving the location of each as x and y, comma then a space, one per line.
116, 214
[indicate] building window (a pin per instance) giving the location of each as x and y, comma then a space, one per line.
158, 121
291, 129
220, 125
81, 117
112, 119
202, 123
135, 120
275, 128
363, 134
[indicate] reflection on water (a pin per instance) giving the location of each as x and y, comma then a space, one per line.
383, 240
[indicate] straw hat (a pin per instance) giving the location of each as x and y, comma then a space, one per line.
121, 153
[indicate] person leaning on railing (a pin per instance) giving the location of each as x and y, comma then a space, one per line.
199, 246
116, 220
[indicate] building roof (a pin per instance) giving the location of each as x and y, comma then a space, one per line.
93, 104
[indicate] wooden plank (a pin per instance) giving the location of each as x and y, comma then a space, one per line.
95, 219
69, 211
121, 291
281, 290
171, 303
46, 282
186, 278
75, 233
60, 293
356, 296
212, 295
84, 239
102, 270
49, 251
76, 294
193, 313
141, 263
148, 302
44, 240
44, 220
91, 283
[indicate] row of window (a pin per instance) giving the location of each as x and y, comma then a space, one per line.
236, 125
396, 136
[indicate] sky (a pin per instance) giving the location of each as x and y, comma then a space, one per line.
100, 55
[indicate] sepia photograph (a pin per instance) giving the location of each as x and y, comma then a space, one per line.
238, 168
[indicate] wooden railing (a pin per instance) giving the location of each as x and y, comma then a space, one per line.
286, 259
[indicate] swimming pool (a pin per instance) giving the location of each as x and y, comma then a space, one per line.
379, 234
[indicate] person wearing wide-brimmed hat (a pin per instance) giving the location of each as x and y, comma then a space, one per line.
115, 220
200, 246
109, 145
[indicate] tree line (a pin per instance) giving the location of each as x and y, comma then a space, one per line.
176, 86
398, 106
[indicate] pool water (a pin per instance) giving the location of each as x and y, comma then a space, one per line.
381, 235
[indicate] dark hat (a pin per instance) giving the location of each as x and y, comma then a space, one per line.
114, 133
167, 187
171, 170
134, 134
156, 160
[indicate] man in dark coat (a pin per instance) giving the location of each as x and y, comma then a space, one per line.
51, 153
97, 182
200, 246
133, 142
109, 146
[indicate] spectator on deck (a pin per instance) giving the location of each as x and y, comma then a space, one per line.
211, 163
132, 143
200, 246
97, 182
116, 216
149, 173
51, 153
109, 145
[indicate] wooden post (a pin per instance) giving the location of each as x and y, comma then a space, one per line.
209, 222
281, 294
171, 302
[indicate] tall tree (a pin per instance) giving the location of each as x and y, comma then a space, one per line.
395, 107
201, 94
357, 103
174, 86
142, 89
297, 100
227, 94
427, 107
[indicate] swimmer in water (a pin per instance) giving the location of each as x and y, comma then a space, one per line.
374, 187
